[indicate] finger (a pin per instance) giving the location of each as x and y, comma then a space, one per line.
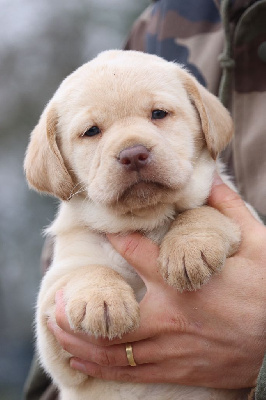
146, 351
229, 203
142, 373
141, 253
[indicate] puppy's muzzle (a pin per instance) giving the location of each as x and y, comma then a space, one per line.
134, 158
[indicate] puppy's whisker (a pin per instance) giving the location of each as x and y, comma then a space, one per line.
80, 190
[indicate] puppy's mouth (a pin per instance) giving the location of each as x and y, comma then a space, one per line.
143, 194
142, 188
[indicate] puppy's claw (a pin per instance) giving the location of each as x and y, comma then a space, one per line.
188, 263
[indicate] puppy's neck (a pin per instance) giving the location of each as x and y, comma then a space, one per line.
101, 219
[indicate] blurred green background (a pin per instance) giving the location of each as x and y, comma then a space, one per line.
41, 42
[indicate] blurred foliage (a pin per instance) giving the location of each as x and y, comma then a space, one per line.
41, 42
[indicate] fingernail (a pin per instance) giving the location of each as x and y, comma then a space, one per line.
78, 365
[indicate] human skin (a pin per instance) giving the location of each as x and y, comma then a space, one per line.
213, 337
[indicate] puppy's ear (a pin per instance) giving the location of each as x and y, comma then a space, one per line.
44, 165
216, 122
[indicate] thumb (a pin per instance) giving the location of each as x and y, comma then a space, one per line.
140, 252
229, 203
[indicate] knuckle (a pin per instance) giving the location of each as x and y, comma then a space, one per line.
130, 247
105, 358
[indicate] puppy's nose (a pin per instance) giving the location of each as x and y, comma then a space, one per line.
135, 157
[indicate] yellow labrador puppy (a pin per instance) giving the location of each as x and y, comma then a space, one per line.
128, 142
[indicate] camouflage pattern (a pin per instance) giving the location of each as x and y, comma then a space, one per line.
197, 34
223, 44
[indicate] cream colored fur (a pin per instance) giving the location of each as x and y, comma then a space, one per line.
165, 200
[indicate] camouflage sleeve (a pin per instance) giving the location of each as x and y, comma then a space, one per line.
188, 32
260, 393
248, 105
212, 38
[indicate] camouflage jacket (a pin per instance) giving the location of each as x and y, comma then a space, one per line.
223, 43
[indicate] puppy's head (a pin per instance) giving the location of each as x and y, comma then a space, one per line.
126, 130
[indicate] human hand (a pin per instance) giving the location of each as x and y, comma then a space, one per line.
213, 337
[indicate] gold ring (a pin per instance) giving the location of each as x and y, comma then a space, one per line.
130, 357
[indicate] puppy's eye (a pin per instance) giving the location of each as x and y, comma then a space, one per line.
92, 131
158, 114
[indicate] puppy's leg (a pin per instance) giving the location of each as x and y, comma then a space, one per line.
98, 302
196, 247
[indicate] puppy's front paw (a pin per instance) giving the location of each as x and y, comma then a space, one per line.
102, 310
187, 262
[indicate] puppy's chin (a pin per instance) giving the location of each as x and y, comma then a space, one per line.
142, 196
